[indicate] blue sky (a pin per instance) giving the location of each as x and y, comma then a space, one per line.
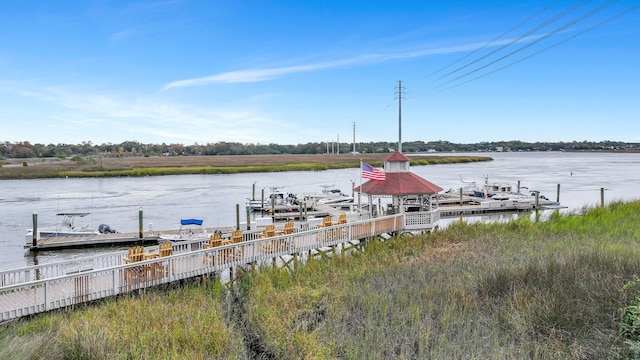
289, 72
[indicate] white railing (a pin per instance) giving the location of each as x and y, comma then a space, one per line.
41, 288
417, 220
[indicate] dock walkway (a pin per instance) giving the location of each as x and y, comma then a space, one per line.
47, 287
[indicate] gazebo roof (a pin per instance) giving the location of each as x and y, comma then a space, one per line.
402, 183
397, 157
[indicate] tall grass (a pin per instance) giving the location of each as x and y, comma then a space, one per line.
518, 290
548, 290
187, 323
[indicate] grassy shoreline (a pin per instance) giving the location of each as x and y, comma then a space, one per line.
549, 290
180, 165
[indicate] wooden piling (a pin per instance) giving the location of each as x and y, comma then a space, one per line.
301, 210
248, 218
34, 240
237, 216
140, 224
262, 203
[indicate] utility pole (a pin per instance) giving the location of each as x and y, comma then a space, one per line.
338, 145
354, 137
399, 116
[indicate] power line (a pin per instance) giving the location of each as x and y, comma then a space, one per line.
561, 28
548, 47
487, 44
521, 37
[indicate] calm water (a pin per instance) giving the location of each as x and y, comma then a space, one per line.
165, 200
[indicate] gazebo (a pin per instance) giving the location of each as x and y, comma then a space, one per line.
408, 191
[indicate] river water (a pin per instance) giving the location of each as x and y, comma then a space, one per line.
165, 200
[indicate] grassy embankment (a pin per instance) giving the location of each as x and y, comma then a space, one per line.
177, 165
551, 290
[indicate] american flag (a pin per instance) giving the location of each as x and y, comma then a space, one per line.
369, 172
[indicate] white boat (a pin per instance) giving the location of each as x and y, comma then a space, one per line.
276, 198
328, 192
496, 191
331, 196
68, 227
467, 188
190, 229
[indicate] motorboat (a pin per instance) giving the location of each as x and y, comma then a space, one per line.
501, 191
68, 227
190, 229
276, 199
331, 196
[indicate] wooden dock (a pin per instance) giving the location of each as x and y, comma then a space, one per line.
46, 287
152, 238
319, 211
75, 242
448, 207
473, 206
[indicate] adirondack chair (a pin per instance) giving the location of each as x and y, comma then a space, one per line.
165, 249
214, 240
136, 273
236, 238
135, 254
342, 219
269, 231
268, 246
326, 222
287, 230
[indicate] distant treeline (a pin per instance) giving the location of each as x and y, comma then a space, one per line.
133, 148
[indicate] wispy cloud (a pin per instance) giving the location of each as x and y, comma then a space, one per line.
258, 75
121, 35
265, 74
113, 116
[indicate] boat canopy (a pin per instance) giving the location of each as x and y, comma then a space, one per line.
191, 221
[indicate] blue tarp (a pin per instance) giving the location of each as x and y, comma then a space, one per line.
191, 222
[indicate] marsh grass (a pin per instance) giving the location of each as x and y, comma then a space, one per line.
549, 290
487, 291
185, 323
177, 165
